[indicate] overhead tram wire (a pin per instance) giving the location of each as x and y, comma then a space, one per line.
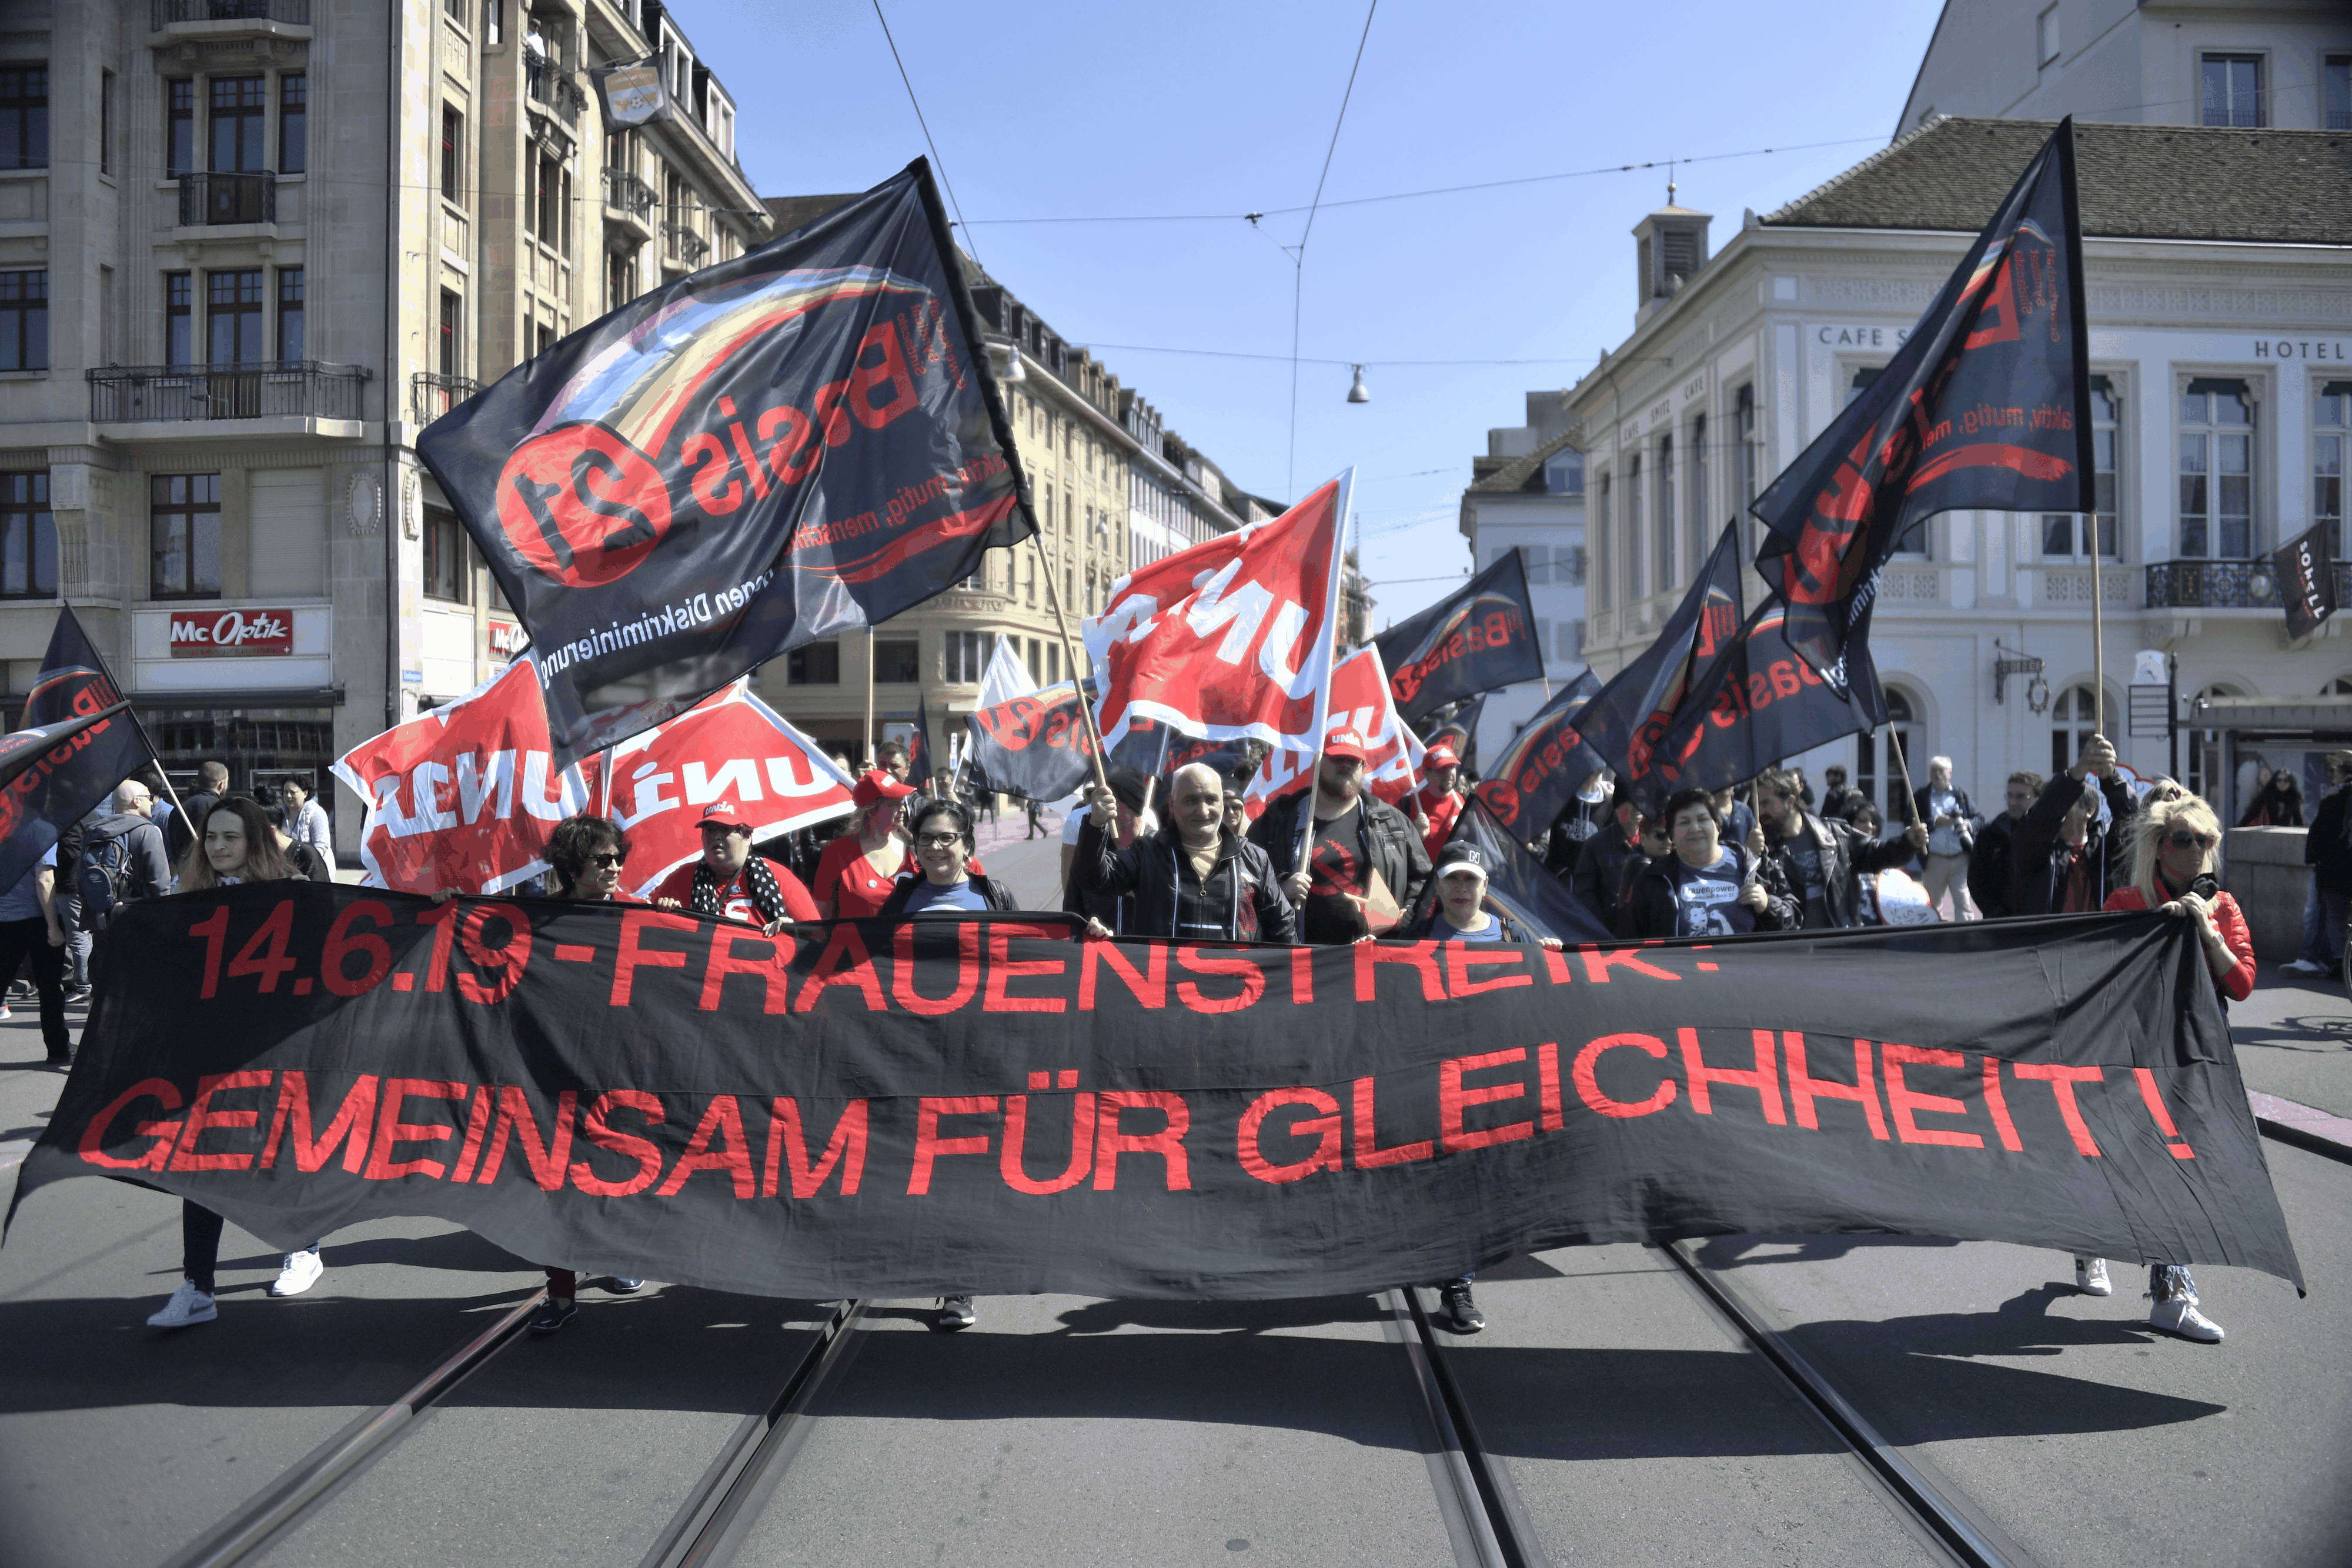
937, 161
1298, 257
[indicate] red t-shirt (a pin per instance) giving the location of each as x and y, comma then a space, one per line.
1441, 814
735, 901
845, 878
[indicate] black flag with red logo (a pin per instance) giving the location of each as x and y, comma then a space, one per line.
1987, 405
788, 445
1475, 641
2307, 579
1632, 713
60, 786
1035, 746
1538, 773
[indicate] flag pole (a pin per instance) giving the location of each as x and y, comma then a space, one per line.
1345, 504
1070, 658
2098, 639
868, 755
1894, 745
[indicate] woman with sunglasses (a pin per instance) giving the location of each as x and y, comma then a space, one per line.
587, 854
2171, 872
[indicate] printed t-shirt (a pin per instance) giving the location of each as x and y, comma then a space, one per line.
735, 900
1706, 901
843, 877
1805, 860
929, 898
1337, 875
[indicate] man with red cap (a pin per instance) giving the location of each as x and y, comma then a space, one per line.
1365, 865
729, 880
1441, 803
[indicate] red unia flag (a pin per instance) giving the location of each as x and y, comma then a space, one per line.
731, 755
1360, 701
1232, 639
465, 797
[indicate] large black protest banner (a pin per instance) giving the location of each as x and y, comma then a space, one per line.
784, 446
959, 1103
1481, 638
2307, 579
61, 785
1987, 405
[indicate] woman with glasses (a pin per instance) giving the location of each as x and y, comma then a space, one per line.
945, 880
2171, 872
587, 854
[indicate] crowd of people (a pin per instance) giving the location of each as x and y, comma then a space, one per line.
1331, 865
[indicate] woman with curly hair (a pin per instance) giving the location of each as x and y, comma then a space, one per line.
2171, 872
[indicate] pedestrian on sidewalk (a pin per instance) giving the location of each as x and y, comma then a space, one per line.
1037, 828
237, 846
2327, 851
306, 820
2172, 872
31, 931
1952, 825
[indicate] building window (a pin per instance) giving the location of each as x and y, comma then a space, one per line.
179, 297
2217, 477
968, 653
1666, 515
239, 120
180, 133
1030, 581
1635, 587
551, 185
25, 116
1601, 579
2074, 719
452, 156
106, 123
2336, 93
455, 10
2045, 36
446, 573
1701, 484
897, 661
184, 537
293, 123
1875, 762
2233, 90
2330, 442
1564, 472
1536, 559
2067, 536
28, 537
494, 22
452, 334
24, 321
290, 314
1743, 436
1571, 641
233, 317
818, 664
620, 280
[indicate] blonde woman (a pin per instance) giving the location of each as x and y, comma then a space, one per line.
2172, 872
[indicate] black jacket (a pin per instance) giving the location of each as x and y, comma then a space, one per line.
1600, 872
1385, 836
991, 892
1992, 866
1651, 909
1970, 823
1839, 803
2037, 879
1240, 901
2327, 848
1846, 854
187, 823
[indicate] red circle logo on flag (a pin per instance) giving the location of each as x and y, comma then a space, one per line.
1502, 798
582, 505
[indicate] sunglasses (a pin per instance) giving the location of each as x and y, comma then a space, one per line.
939, 841
2182, 839
607, 861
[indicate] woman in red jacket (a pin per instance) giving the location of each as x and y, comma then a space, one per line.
2172, 853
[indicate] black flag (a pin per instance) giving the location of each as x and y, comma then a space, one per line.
63, 784
2307, 579
1517, 882
1630, 714
1986, 405
1538, 772
1480, 638
1035, 747
1457, 723
792, 444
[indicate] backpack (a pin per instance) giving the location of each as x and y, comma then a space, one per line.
102, 877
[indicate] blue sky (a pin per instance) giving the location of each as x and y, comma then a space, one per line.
1221, 109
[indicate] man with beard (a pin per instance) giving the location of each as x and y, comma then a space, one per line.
1824, 862
1365, 865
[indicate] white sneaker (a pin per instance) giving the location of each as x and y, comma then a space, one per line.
2091, 1277
188, 1305
2180, 1315
2303, 966
301, 1271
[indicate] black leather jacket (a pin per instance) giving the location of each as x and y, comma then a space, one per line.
1845, 854
2038, 876
1386, 836
1240, 899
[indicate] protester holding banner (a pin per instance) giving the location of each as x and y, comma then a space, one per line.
237, 846
1708, 887
947, 879
1440, 800
1196, 880
1824, 863
1365, 865
2062, 861
854, 874
729, 880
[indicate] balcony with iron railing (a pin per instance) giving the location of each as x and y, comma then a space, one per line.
296, 388
431, 395
551, 89
682, 244
630, 194
209, 199
2226, 585
205, 15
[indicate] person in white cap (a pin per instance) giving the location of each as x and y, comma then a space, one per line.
1365, 865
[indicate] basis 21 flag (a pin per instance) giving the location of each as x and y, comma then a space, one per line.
788, 445
463, 798
1360, 701
1642, 700
1987, 405
1481, 638
2307, 579
1537, 774
1034, 745
61, 787
1232, 639
732, 754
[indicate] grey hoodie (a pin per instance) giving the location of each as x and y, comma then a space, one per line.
151, 864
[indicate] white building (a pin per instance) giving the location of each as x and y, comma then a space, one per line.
1527, 494
2219, 297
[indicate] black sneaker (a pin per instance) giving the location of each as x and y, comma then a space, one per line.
1458, 1309
955, 1313
553, 1313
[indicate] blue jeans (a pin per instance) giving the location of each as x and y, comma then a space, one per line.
2324, 915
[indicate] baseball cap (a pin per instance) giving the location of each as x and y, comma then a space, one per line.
1440, 756
726, 813
1462, 856
875, 787
1346, 743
